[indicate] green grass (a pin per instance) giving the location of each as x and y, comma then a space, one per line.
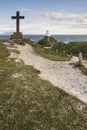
84, 70
81, 67
29, 103
85, 58
47, 41
50, 54
72, 48
75, 47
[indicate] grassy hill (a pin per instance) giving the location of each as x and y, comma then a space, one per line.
71, 48
47, 41
29, 103
50, 54
75, 47
59, 50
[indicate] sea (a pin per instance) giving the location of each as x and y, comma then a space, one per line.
63, 38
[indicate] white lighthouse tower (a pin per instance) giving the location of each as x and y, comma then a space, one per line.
48, 33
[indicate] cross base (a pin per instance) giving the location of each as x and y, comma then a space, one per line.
17, 35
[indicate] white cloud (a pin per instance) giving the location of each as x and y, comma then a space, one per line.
56, 22
63, 16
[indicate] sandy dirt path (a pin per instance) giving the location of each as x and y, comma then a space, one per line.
60, 74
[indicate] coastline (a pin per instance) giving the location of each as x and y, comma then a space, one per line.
63, 38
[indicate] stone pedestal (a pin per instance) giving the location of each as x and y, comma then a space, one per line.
17, 35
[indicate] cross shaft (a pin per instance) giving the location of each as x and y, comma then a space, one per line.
17, 17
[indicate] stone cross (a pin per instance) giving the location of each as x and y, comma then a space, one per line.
17, 17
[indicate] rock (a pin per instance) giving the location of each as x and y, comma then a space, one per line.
80, 58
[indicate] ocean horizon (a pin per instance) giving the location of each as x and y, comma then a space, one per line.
63, 38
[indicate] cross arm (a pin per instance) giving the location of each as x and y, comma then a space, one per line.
13, 17
21, 17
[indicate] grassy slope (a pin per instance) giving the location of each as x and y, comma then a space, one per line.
81, 67
72, 48
75, 47
29, 103
49, 54
47, 41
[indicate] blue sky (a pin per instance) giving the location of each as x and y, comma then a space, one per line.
57, 16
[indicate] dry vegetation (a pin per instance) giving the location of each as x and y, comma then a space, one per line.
29, 103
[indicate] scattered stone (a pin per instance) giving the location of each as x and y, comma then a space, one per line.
81, 107
16, 75
18, 61
13, 55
